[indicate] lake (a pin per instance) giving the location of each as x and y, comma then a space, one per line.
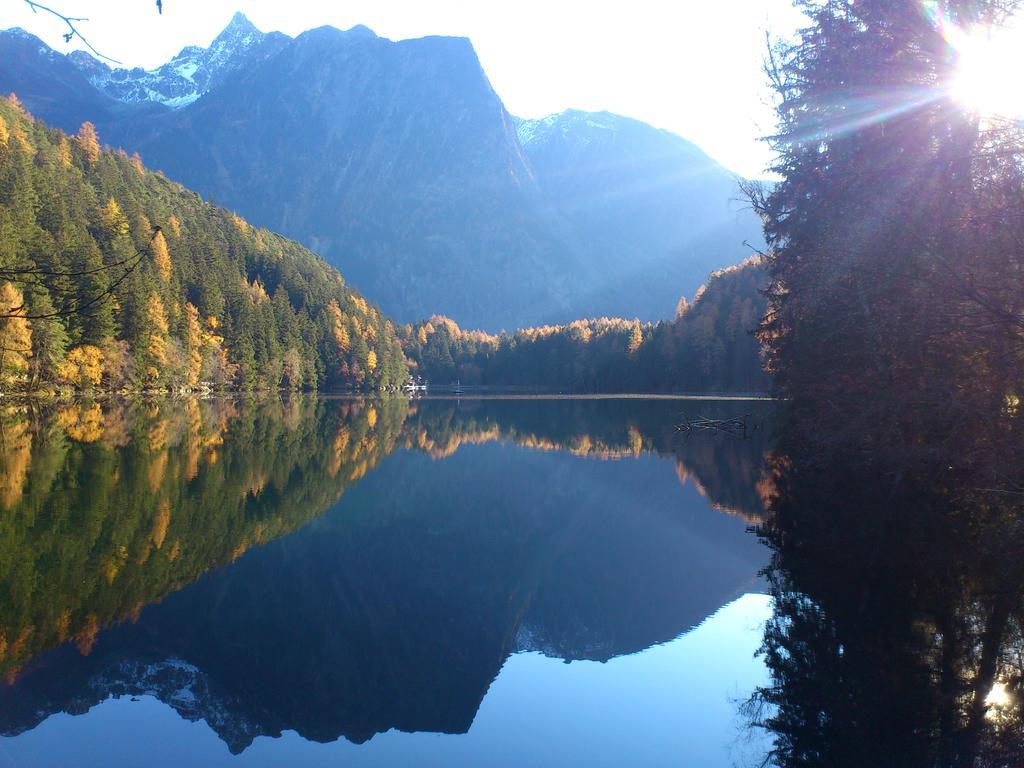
380, 582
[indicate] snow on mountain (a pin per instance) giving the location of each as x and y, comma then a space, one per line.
190, 74
583, 126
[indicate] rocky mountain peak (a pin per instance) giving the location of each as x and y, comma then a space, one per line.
240, 33
187, 76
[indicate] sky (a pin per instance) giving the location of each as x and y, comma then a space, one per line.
692, 67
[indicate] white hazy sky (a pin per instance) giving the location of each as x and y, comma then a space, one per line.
690, 66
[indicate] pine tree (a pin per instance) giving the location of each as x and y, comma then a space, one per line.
49, 339
885, 221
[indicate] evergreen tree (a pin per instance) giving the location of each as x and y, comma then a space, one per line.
49, 339
890, 229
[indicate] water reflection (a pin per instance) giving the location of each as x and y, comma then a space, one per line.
897, 580
490, 528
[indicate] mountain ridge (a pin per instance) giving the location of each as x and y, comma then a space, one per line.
400, 163
188, 75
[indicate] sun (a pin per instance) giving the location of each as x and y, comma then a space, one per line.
987, 79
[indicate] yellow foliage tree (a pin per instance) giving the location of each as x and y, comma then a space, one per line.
136, 162
22, 140
174, 224
156, 342
89, 141
82, 367
5, 132
371, 361
15, 332
161, 257
64, 152
339, 327
257, 293
194, 343
636, 339
112, 218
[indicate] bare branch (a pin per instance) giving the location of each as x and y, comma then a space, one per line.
73, 31
74, 307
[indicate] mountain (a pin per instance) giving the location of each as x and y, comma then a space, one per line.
400, 164
123, 279
190, 74
653, 212
395, 160
52, 85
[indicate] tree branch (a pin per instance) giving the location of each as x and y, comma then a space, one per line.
73, 31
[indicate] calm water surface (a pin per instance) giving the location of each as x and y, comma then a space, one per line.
527, 582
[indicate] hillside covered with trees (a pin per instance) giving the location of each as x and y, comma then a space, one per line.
708, 346
113, 277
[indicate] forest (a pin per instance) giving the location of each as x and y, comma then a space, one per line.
709, 346
114, 278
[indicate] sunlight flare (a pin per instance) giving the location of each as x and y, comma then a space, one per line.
999, 697
987, 60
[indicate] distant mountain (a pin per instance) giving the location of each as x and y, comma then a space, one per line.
53, 86
190, 74
399, 162
653, 213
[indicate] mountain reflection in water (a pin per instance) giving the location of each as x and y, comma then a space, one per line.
198, 552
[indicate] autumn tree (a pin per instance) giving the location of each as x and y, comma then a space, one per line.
636, 339
15, 333
82, 367
115, 223
155, 350
195, 341
89, 142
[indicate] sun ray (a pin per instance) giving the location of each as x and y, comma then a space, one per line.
988, 60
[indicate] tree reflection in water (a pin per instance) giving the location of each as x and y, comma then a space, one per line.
181, 550
897, 580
